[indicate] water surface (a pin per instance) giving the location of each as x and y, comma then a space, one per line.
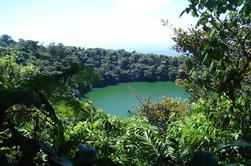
118, 99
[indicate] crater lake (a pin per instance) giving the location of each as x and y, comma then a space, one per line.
118, 99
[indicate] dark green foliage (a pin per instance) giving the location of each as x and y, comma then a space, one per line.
111, 66
243, 148
219, 72
6, 40
131, 141
84, 156
220, 64
27, 112
220, 46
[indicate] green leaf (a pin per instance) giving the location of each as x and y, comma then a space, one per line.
206, 44
212, 34
202, 21
187, 10
211, 66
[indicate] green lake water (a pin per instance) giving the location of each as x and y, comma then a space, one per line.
118, 99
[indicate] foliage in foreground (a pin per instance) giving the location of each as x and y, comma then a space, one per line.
219, 70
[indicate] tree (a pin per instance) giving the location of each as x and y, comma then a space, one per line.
6, 40
220, 45
220, 49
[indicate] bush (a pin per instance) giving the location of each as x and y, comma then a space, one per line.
158, 112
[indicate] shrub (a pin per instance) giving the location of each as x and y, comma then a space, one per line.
158, 112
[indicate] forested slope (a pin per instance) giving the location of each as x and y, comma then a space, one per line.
112, 66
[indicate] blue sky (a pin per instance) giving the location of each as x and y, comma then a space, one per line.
115, 24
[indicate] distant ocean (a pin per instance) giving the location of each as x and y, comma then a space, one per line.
160, 51
163, 51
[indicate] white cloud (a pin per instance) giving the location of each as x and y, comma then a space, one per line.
139, 5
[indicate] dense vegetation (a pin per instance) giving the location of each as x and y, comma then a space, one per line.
111, 66
41, 124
